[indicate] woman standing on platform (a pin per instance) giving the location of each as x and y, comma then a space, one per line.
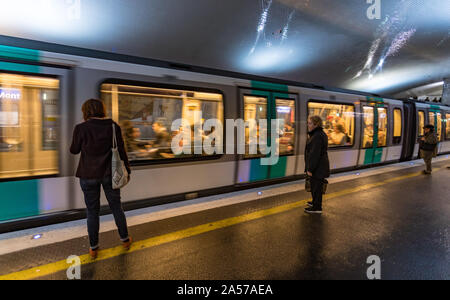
317, 165
428, 148
94, 140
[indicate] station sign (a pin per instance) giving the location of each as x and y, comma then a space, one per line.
10, 94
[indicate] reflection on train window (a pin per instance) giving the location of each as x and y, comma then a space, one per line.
431, 117
382, 127
339, 122
255, 109
439, 126
29, 125
146, 115
368, 127
447, 126
397, 126
436, 121
421, 123
286, 112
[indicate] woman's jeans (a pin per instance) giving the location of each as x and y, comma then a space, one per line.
91, 190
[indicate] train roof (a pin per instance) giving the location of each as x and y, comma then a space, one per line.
84, 52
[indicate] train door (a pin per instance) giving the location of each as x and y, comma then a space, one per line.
422, 120
396, 132
445, 148
409, 131
374, 133
261, 107
435, 118
33, 141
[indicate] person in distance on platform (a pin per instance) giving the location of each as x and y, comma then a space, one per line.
94, 140
317, 164
428, 147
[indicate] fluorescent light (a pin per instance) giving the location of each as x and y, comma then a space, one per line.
37, 236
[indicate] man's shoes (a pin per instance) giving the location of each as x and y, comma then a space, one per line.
312, 210
426, 173
310, 204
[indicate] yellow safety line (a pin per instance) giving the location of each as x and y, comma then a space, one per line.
186, 233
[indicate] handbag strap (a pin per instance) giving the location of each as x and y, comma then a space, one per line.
114, 136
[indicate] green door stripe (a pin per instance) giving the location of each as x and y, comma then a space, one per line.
19, 199
7, 66
19, 53
257, 171
374, 155
279, 169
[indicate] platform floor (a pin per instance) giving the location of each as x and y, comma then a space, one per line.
399, 215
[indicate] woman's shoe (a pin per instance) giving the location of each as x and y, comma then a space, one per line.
126, 245
93, 253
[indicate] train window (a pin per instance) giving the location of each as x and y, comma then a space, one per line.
255, 109
382, 127
397, 126
421, 123
436, 121
431, 117
368, 127
447, 126
29, 121
339, 122
286, 112
439, 126
146, 115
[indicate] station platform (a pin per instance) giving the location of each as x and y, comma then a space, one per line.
394, 212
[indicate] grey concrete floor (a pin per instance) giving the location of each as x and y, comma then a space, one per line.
406, 223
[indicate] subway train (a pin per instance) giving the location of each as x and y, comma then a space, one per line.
43, 86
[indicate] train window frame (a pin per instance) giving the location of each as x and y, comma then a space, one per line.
388, 125
182, 87
419, 127
363, 147
441, 136
242, 101
447, 126
336, 148
394, 127
295, 125
59, 145
435, 122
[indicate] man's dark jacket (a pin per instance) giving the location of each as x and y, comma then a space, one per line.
316, 154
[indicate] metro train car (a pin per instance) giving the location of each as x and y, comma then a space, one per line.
42, 91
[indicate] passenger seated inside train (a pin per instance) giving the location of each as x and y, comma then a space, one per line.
368, 136
161, 146
138, 148
135, 147
287, 139
338, 136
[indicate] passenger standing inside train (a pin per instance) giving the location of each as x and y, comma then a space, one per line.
428, 147
94, 139
317, 165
